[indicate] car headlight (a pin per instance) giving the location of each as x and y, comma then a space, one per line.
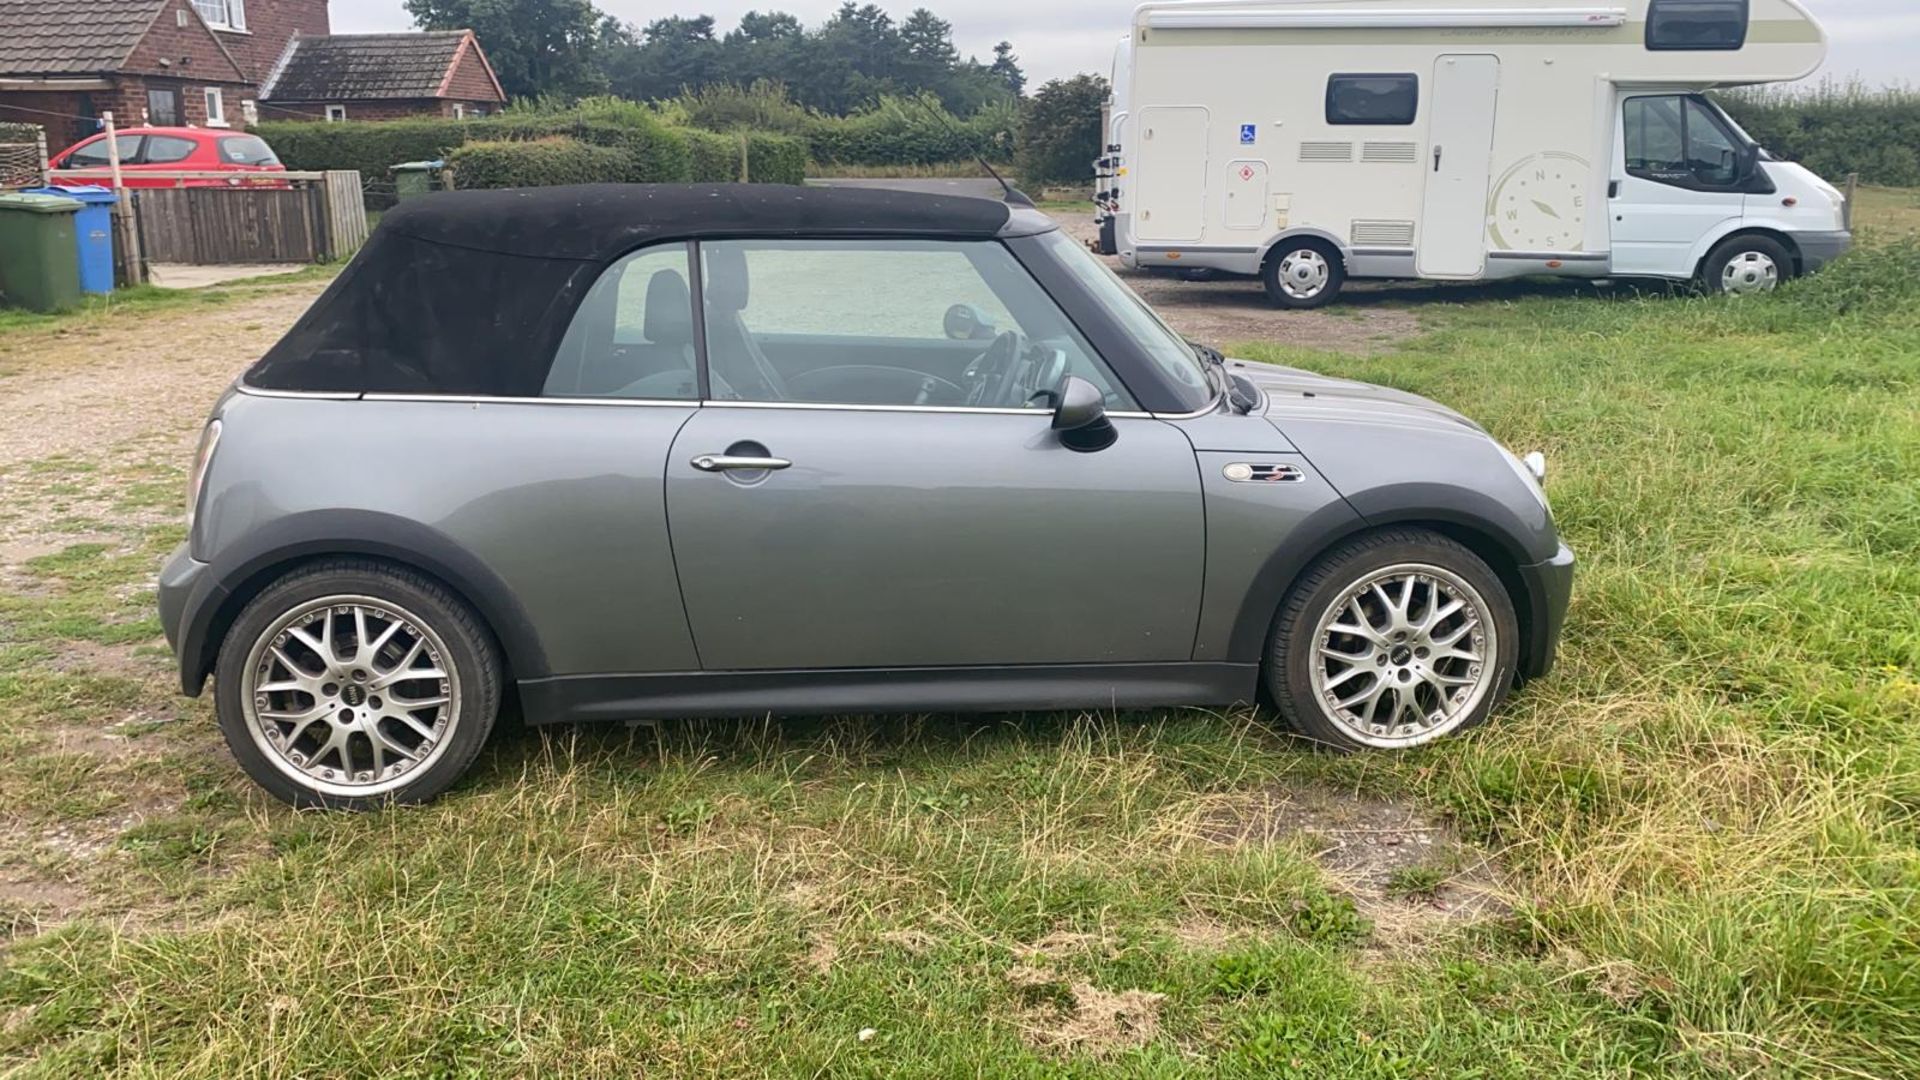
1532, 471
202, 460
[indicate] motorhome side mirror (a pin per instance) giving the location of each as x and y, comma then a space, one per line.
1080, 417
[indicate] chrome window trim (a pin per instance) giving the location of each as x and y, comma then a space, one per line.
690, 403
318, 395
826, 406
500, 399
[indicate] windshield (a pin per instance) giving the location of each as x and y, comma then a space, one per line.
1168, 350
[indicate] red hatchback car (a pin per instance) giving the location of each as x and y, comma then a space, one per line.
147, 150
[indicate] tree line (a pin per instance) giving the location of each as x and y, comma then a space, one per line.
571, 49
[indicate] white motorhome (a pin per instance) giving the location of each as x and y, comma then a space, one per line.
1312, 141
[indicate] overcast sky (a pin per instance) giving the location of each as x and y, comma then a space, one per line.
1877, 39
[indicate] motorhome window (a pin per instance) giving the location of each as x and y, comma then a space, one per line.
1677, 139
1372, 99
1697, 25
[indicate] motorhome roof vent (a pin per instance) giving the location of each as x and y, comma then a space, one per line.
1326, 151
1389, 153
1382, 233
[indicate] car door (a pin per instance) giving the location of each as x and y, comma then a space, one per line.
947, 527
1675, 179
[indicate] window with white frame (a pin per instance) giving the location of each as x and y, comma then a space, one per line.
216, 107
336, 113
223, 14
459, 111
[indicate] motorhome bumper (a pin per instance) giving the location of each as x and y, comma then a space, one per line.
1820, 248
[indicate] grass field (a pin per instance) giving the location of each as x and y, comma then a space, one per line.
1694, 851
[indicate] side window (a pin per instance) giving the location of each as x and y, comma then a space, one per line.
1678, 140
632, 336
1372, 99
164, 149
1697, 25
94, 154
889, 323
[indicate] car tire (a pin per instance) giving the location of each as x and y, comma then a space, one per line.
1433, 677
1303, 274
396, 715
1746, 265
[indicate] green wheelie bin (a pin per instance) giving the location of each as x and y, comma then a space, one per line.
39, 257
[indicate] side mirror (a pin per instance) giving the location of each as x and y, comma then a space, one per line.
1080, 418
964, 322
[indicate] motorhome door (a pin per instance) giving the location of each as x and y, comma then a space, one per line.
1170, 174
1453, 226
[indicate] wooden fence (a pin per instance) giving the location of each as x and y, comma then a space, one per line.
317, 217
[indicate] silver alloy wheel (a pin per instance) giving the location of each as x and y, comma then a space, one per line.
1750, 272
1304, 273
1404, 656
350, 695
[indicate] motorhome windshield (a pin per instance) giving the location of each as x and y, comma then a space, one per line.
1169, 350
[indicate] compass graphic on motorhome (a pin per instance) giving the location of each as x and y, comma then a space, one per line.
1541, 204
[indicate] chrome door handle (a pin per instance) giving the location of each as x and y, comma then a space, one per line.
1436, 158
732, 463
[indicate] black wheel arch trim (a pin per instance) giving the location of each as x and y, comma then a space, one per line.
1537, 584
239, 573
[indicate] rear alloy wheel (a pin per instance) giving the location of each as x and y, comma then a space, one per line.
1746, 265
1303, 274
351, 685
1392, 641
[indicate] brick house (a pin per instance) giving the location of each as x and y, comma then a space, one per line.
383, 77
204, 63
148, 61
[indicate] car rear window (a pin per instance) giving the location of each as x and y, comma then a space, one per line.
247, 150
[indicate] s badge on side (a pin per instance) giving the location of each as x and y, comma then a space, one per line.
1241, 472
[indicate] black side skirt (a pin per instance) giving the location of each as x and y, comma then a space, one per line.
865, 691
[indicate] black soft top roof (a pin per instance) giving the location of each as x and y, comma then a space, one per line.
470, 292
603, 221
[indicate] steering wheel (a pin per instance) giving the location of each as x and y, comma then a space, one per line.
1047, 374
991, 376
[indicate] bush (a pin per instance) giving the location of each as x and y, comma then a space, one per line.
771, 159
637, 146
1060, 132
909, 131
536, 163
715, 158
776, 159
1837, 128
369, 147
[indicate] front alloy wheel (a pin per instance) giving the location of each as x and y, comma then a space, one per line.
1391, 641
352, 684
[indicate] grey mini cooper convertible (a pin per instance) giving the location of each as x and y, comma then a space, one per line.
723, 451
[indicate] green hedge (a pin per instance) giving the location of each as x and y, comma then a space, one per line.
776, 159
638, 148
372, 148
539, 163
1836, 129
902, 132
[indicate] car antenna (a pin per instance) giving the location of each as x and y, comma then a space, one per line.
1014, 195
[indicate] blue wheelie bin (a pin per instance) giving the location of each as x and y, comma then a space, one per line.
93, 229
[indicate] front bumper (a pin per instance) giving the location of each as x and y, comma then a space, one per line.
1549, 588
188, 596
1817, 249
